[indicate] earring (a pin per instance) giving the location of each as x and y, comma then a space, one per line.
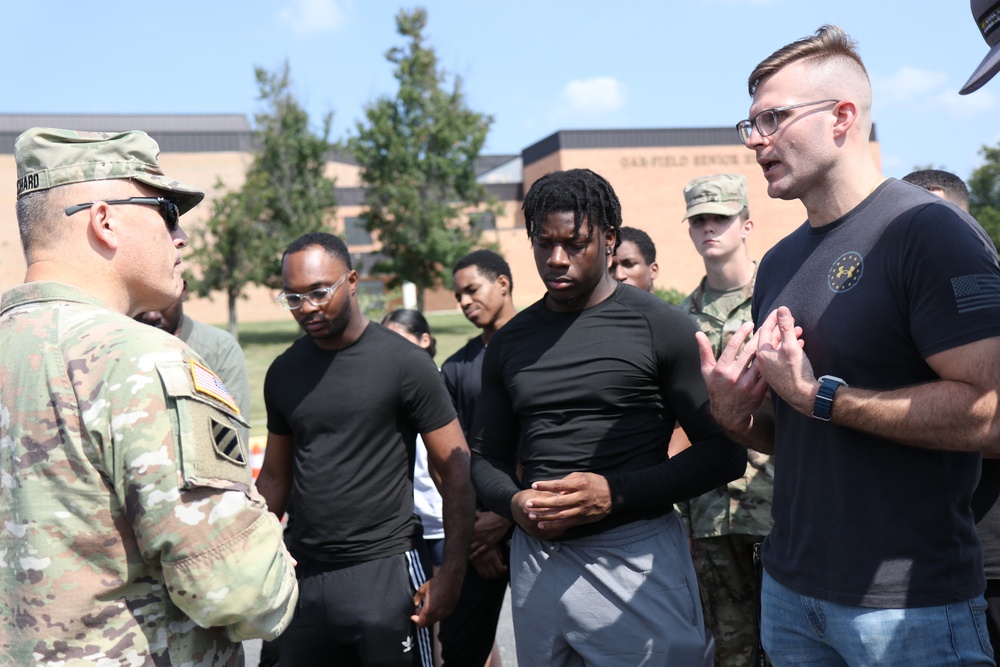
609, 251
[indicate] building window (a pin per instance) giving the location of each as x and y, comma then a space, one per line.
354, 230
483, 221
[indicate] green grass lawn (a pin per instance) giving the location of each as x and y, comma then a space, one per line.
263, 341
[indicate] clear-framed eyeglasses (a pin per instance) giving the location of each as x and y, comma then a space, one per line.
767, 121
317, 297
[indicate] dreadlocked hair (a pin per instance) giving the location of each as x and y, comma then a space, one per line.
586, 194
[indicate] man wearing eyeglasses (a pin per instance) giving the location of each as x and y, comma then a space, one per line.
133, 531
878, 337
344, 406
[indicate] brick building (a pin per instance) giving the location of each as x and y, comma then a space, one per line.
648, 169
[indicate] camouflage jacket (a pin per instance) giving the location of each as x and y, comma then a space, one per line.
744, 505
132, 533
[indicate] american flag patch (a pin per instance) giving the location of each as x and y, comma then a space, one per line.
207, 382
976, 291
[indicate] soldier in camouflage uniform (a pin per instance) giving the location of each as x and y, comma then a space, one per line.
724, 524
133, 534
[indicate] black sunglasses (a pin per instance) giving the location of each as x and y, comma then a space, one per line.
168, 208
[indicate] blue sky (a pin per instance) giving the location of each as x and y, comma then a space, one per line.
536, 66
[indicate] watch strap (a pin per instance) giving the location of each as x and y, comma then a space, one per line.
823, 406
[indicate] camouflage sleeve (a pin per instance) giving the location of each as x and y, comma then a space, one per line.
182, 474
683, 509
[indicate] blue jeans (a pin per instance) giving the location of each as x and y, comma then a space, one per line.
798, 630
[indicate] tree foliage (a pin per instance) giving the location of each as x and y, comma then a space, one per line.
984, 193
417, 152
286, 194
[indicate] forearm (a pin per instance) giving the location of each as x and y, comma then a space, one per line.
276, 490
241, 555
458, 515
706, 465
495, 483
946, 415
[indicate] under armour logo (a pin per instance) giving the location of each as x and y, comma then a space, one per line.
407, 644
843, 272
846, 271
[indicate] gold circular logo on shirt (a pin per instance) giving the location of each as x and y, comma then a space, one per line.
846, 272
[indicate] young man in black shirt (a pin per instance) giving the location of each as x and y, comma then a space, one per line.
344, 407
582, 390
484, 289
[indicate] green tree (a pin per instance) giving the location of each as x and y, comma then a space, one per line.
286, 194
417, 152
984, 193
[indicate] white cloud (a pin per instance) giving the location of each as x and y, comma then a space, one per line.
595, 96
309, 17
909, 83
964, 107
928, 92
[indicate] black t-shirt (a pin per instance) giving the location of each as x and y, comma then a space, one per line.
354, 415
463, 373
859, 520
598, 390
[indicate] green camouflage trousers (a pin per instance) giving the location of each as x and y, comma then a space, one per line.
724, 565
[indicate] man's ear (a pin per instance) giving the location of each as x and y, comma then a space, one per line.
504, 283
847, 115
654, 270
104, 226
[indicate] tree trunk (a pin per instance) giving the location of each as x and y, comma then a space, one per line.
233, 327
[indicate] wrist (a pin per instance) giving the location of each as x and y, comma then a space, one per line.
826, 392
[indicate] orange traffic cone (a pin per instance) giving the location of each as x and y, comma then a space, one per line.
257, 446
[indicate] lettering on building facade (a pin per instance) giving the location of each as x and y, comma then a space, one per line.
696, 160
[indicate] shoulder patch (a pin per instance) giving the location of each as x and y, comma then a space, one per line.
227, 442
208, 383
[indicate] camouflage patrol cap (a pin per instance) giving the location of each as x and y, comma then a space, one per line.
48, 157
721, 194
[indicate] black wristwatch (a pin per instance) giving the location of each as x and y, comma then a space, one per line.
828, 386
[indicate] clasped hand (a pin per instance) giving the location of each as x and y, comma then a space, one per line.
549, 508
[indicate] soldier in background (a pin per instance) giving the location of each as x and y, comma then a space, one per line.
218, 348
133, 532
725, 524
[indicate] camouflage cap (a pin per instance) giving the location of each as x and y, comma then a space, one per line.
48, 157
721, 194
